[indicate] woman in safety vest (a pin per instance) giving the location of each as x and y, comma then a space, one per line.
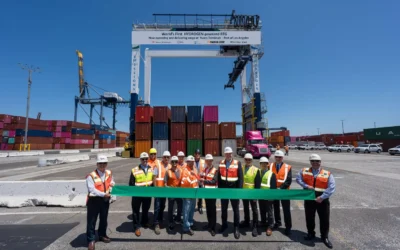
172, 179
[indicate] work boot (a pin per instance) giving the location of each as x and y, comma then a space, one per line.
254, 233
236, 233
91, 245
327, 243
137, 232
244, 224
269, 232
157, 229
223, 228
171, 227
212, 232
200, 210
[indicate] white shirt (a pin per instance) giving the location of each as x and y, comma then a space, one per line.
90, 184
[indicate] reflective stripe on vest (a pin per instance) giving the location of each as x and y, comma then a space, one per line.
232, 174
320, 183
99, 184
282, 174
249, 177
209, 177
161, 174
189, 179
266, 180
154, 163
142, 179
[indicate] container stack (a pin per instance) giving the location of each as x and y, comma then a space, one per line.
211, 131
178, 129
280, 138
194, 129
82, 135
5, 120
143, 118
161, 124
60, 138
227, 131
121, 138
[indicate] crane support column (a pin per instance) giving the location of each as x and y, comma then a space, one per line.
256, 85
243, 83
91, 114
135, 69
101, 110
76, 109
147, 77
114, 115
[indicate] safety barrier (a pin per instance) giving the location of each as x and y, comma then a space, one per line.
48, 161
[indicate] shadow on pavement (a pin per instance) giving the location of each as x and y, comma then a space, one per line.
79, 241
297, 236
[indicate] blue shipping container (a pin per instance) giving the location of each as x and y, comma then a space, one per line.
160, 131
194, 114
34, 133
5, 133
178, 114
79, 131
98, 127
105, 137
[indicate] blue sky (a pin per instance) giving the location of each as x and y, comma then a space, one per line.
324, 60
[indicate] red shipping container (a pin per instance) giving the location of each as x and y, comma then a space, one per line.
59, 123
81, 141
1, 125
178, 131
210, 114
62, 134
102, 132
161, 114
84, 137
6, 118
143, 114
194, 131
78, 146
211, 131
34, 140
78, 125
212, 147
178, 145
227, 130
143, 131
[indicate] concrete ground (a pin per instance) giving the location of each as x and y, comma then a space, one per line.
365, 211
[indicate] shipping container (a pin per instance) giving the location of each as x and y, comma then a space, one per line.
1, 125
382, 133
161, 114
211, 131
287, 139
160, 131
36, 133
194, 131
34, 146
281, 133
62, 134
3, 146
178, 145
5, 118
78, 125
11, 140
34, 140
178, 131
99, 128
387, 144
345, 139
227, 130
142, 146
212, 147
84, 137
232, 143
80, 131
161, 146
78, 146
105, 137
178, 114
210, 114
81, 141
239, 142
192, 145
144, 114
194, 114
143, 131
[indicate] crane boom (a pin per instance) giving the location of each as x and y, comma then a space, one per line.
80, 73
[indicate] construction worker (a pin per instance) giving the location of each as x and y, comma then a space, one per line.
153, 162
251, 180
209, 180
268, 181
199, 165
278, 147
189, 179
230, 175
141, 176
286, 150
323, 183
158, 181
172, 180
99, 183
283, 174
181, 160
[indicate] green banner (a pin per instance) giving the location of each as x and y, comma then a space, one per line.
214, 193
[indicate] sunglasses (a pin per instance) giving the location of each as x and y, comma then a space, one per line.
174, 161
145, 159
247, 159
315, 161
102, 163
166, 157
278, 157
152, 154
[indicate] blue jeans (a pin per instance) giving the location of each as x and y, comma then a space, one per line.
159, 206
188, 213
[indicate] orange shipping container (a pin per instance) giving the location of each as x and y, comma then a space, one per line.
227, 130
142, 146
143, 131
212, 147
211, 131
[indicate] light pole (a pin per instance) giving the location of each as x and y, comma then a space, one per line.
318, 130
30, 69
342, 126
374, 124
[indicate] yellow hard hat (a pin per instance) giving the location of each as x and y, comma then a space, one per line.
153, 151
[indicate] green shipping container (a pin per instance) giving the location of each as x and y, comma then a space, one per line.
11, 140
382, 133
192, 145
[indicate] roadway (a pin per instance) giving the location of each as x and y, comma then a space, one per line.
364, 211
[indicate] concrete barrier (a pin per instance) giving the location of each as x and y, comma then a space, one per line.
59, 159
28, 153
69, 151
2, 155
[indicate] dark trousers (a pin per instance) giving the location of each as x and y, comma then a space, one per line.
266, 208
159, 207
286, 213
224, 212
211, 213
199, 203
96, 206
323, 210
253, 204
171, 203
145, 203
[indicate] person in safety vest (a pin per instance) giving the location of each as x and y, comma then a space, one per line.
230, 175
208, 179
189, 179
99, 183
141, 176
199, 166
286, 150
268, 181
283, 172
322, 181
251, 180
173, 180
181, 160
158, 181
153, 161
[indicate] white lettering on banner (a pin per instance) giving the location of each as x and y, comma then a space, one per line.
135, 69
203, 38
256, 77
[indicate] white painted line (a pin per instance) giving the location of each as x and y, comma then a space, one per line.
24, 220
69, 151
17, 169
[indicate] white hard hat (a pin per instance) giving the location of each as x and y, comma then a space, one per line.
166, 153
102, 159
190, 158
144, 155
174, 158
315, 157
228, 150
209, 157
279, 153
248, 156
181, 153
264, 159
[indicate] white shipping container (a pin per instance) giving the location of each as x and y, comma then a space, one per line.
229, 143
161, 146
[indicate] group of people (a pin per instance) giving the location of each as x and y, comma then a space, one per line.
175, 172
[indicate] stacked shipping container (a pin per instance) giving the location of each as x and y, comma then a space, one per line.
227, 131
121, 138
178, 129
194, 129
161, 124
211, 131
143, 118
280, 138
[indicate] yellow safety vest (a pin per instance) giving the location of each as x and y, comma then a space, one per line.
249, 177
266, 180
142, 179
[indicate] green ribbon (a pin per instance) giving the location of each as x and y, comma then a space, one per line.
214, 193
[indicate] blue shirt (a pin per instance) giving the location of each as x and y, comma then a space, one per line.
278, 166
144, 168
227, 163
197, 164
331, 183
155, 170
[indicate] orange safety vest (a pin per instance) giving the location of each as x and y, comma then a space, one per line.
189, 178
161, 174
201, 166
282, 174
208, 175
182, 166
98, 184
286, 148
232, 171
153, 164
320, 183
173, 181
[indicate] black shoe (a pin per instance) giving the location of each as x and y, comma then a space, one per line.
277, 225
189, 232
236, 233
200, 210
288, 232
193, 227
244, 224
327, 243
309, 237
212, 232
171, 228
223, 228
178, 221
254, 233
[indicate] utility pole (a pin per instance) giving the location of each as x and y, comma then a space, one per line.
374, 124
342, 127
30, 70
318, 130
